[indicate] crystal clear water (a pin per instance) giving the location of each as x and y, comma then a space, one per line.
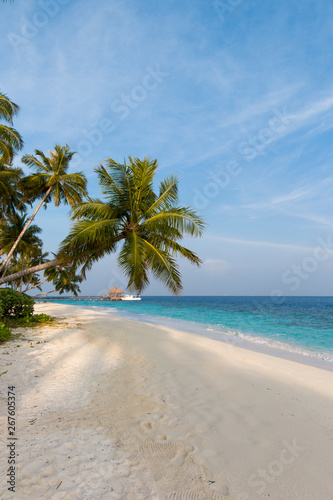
302, 325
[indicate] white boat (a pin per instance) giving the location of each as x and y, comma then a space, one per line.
131, 297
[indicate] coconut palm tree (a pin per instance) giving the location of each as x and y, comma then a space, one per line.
51, 181
10, 230
9, 195
33, 280
22, 261
10, 139
65, 280
29, 243
149, 225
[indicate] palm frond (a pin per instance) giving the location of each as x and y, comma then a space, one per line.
142, 173
89, 234
164, 267
183, 219
168, 195
37, 165
10, 136
92, 209
132, 262
111, 178
8, 109
177, 249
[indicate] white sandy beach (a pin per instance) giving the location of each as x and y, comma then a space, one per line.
111, 408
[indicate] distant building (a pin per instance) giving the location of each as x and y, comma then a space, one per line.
114, 294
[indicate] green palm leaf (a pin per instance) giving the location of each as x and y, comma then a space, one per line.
164, 267
148, 225
51, 180
10, 139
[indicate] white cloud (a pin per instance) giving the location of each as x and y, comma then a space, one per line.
281, 246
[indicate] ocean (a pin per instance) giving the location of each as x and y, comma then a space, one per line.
299, 326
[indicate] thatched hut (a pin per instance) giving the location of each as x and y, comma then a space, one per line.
114, 294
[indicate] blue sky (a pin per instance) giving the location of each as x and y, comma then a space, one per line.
234, 96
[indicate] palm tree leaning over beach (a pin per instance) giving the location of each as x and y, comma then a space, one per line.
149, 225
51, 181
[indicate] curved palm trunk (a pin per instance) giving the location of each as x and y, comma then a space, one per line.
12, 250
32, 270
42, 294
35, 286
21, 281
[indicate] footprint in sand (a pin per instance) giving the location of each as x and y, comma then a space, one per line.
191, 495
146, 424
175, 452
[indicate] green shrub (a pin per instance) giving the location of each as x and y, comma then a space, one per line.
42, 318
36, 319
14, 304
5, 332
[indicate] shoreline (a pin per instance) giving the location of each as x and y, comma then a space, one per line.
115, 408
286, 351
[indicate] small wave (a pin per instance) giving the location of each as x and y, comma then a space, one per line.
218, 332
274, 344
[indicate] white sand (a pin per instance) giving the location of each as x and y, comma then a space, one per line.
109, 408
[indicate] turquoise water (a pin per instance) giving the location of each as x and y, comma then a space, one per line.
302, 325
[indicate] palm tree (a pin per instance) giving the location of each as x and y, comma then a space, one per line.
64, 279
10, 139
34, 280
51, 181
9, 195
149, 225
29, 244
10, 230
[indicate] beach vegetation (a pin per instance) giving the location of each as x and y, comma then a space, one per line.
28, 248
10, 143
14, 304
17, 311
49, 182
149, 225
10, 197
64, 279
146, 226
10, 139
34, 320
5, 332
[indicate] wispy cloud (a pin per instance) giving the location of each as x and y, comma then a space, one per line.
269, 244
225, 84
278, 201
